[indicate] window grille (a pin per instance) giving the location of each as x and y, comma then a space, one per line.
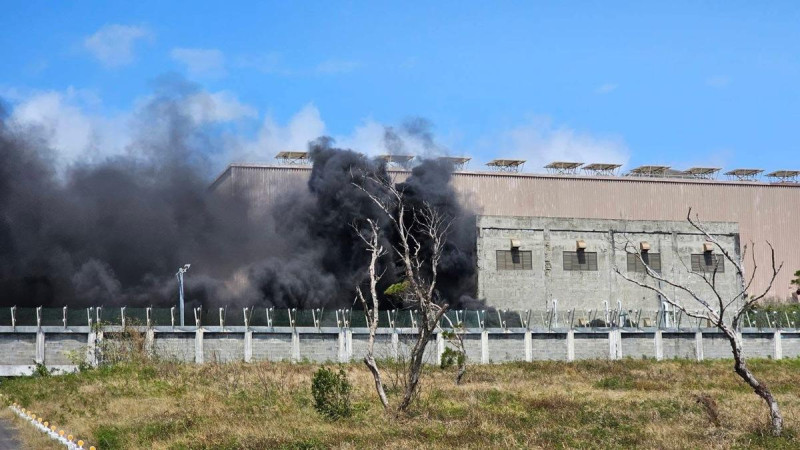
574, 261
651, 259
514, 260
707, 262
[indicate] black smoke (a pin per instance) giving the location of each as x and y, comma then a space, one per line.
115, 231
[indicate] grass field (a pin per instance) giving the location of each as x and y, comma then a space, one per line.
589, 404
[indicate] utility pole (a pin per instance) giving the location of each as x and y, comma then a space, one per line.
180, 273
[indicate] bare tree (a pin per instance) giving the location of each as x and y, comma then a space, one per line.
421, 232
724, 312
372, 241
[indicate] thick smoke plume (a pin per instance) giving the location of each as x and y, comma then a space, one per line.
115, 232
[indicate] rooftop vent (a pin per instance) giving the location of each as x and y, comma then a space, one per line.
506, 165
784, 176
292, 157
602, 169
563, 168
744, 174
458, 162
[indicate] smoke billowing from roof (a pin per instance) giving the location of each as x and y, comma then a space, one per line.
116, 231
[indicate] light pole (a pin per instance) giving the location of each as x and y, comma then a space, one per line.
180, 273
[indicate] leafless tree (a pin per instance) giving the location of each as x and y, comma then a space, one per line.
724, 312
421, 232
371, 239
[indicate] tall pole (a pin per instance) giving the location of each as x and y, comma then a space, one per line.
180, 273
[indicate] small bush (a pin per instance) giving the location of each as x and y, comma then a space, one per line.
331, 392
451, 358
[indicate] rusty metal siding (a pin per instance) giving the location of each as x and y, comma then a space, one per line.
765, 212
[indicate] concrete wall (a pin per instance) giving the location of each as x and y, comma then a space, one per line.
760, 209
548, 238
19, 348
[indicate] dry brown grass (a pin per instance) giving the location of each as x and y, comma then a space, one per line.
590, 404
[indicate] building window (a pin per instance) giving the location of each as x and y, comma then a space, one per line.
580, 261
651, 259
514, 260
708, 262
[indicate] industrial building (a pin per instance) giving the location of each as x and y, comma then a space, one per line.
550, 214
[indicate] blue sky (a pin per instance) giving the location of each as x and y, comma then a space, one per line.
681, 83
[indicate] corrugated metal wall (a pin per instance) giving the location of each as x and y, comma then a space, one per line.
765, 213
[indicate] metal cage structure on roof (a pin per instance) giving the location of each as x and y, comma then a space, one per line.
784, 176
744, 174
293, 158
396, 160
649, 171
602, 169
459, 162
563, 168
506, 165
702, 173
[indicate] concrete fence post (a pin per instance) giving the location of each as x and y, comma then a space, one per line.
484, 347
348, 347
778, 351
439, 348
659, 342
612, 345
198, 346
528, 346
91, 348
248, 346
342, 346
395, 345
698, 345
295, 345
149, 341
39, 347
570, 345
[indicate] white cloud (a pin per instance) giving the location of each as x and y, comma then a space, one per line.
204, 107
113, 45
606, 88
334, 66
367, 138
72, 130
539, 142
201, 62
306, 125
75, 127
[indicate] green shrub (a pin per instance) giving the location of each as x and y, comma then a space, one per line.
331, 392
451, 358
